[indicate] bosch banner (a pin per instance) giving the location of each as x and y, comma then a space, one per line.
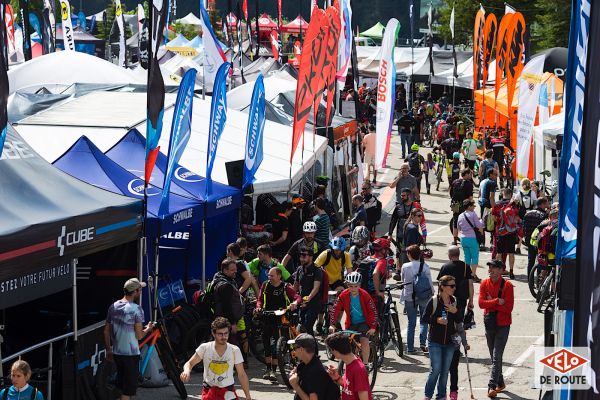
181, 130
254, 138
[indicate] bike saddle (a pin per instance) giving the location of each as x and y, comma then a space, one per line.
546, 173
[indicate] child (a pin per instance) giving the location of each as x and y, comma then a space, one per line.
20, 373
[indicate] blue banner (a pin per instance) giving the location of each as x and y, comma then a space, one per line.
181, 130
568, 189
81, 20
256, 126
92, 23
218, 116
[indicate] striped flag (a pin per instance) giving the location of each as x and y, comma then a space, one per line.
214, 56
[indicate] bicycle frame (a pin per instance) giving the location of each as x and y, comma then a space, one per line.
152, 338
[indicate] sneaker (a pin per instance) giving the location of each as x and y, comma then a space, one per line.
501, 388
267, 375
511, 275
424, 349
453, 395
412, 351
272, 376
492, 393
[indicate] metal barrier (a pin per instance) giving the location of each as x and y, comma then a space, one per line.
50, 344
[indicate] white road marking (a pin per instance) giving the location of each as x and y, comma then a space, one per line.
524, 356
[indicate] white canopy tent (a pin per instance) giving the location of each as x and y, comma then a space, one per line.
190, 19
465, 75
106, 116
241, 96
64, 68
542, 135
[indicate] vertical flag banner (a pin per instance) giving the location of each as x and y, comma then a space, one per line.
224, 23
587, 227
156, 86
81, 20
48, 44
430, 38
9, 21
67, 25
331, 57
279, 20
142, 37
249, 29
386, 85
501, 51
49, 11
218, 117
344, 44
543, 110
245, 9
455, 70
489, 41
121, 24
529, 95
478, 48
24, 5
552, 96
313, 54
254, 137
181, 130
321, 66
274, 39
35, 22
214, 56
515, 37
3, 91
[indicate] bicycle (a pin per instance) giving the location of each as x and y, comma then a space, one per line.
372, 366
288, 329
549, 190
389, 324
254, 331
547, 292
158, 339
536, 277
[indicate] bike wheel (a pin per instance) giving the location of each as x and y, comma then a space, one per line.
544, 293
255, 341
533, 280
285, 360
375, 360
170, 366
396, 335
200, 333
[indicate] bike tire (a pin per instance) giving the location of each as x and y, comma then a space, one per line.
544, 293
170, 366
198, 334
255, 342
532, 280
396, 335
284, 360
375, 360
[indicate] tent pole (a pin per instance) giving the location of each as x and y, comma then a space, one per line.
203, 80
75, 327
204, 253
155, 280
141, 252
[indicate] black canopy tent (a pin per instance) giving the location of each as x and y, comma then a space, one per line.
48, 220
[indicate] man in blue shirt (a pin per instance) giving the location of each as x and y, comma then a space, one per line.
487, 190
360, 215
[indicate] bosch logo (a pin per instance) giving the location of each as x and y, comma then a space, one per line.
67, 239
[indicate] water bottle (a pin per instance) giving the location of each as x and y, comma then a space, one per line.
444, 315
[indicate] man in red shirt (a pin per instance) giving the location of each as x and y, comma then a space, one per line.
496, 299
355, 381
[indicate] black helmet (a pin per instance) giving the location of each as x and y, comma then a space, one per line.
469, 320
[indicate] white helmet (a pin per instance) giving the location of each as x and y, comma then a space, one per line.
360, 233
309, 226
354, 278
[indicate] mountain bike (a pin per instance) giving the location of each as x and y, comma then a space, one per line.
158, 339
547, 292
389, 325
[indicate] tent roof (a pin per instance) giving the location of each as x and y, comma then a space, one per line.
105, 117
265, 23
190, 19
294, 26
68, 67
79, 36
178, 41
196, 42
40, 234
241, 96
85, 161
376, 31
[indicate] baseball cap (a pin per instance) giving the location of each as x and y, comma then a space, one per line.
133, 284
496, 264
305, 341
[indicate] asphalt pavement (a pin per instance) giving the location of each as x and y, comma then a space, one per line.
404, 378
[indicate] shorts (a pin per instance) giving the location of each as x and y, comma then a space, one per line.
128, 368
369, 159
362, 328
470, 164
471, 250
218, 393
506, 244
336, 285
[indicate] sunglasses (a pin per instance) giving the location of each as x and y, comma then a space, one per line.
451, 286
304, 255
418, 215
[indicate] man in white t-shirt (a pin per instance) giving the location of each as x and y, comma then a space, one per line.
219, 358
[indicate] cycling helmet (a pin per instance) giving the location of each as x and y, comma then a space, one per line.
381, 244
456, 154
338, 243
427, 253
414, 147
360, 234
309, 227
469, 320
354, 278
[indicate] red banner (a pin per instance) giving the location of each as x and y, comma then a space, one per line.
9, 19
245, 9
489, 40
311, 63
501, 50
274, 37
478, 48
279, 21
515, 43
333, 16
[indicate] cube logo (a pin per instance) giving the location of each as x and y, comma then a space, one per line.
563, 361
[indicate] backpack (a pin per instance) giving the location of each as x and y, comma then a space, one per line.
487, 167
546, 239
204, 300
414, 163
365, 269
34, 393
458, 191
328, 259
525, 204
421, 285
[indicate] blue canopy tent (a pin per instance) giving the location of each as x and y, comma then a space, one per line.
86, 162
221, 207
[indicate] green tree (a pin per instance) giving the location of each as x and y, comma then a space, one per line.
551, 28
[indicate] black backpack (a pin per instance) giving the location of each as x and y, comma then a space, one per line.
365, 269
458, 191
414, 163
34, 393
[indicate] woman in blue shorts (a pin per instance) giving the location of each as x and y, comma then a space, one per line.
468, 221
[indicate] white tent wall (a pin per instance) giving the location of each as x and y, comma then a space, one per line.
94, 115
239, 97
543, 156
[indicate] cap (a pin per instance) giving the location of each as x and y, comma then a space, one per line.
305, 341
496, 264
286, 205
133, 284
